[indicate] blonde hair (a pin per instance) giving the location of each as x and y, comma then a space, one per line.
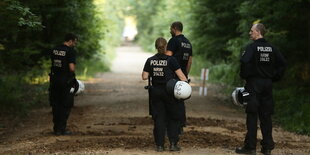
160, 45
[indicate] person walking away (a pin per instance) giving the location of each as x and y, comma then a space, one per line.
180, 48
165, 113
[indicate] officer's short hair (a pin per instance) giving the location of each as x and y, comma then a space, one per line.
261, 28
70, 36
160, 45
177, 25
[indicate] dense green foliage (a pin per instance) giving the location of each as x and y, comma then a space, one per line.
219, 33
29, 29
153, 22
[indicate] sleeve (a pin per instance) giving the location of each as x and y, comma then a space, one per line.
246, 67
280, 66
191, 50
72, 56
50, 52
247, 55
147, 67
172, 45
174, 65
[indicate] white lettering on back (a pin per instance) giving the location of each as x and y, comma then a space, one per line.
264, 57
185, 45
158, 63
264, 49
60, 53
158, 71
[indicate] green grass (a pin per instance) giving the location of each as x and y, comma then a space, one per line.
17, 96
292, 110
88, 68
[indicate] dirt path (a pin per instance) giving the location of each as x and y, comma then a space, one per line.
111, 117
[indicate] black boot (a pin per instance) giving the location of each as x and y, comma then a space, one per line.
174, 147
66, 132
265, 151
244, 150
159, 148
57, 133
181, 131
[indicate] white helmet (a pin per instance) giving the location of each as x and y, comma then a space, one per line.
179, 89
81, 87
77, 88
240, 96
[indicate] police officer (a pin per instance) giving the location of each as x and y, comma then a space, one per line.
62, 79
161, 68
180, 48
261, 64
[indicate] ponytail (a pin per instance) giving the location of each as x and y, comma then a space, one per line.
160, 45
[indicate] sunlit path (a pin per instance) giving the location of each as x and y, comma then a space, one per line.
129, 59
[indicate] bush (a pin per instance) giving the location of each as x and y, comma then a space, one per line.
17, 96
88, 68
293, 110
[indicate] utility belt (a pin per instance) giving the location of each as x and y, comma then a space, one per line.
68, 78
257, 78
64, 74
159, 84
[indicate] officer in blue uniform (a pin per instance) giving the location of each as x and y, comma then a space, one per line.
62, 79
261, 65
161, 68
180, 48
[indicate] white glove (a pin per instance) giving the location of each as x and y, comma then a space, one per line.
72, 90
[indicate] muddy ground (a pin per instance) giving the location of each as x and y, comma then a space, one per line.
111, 117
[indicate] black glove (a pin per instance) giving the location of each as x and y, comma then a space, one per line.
72, 80
188, 81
